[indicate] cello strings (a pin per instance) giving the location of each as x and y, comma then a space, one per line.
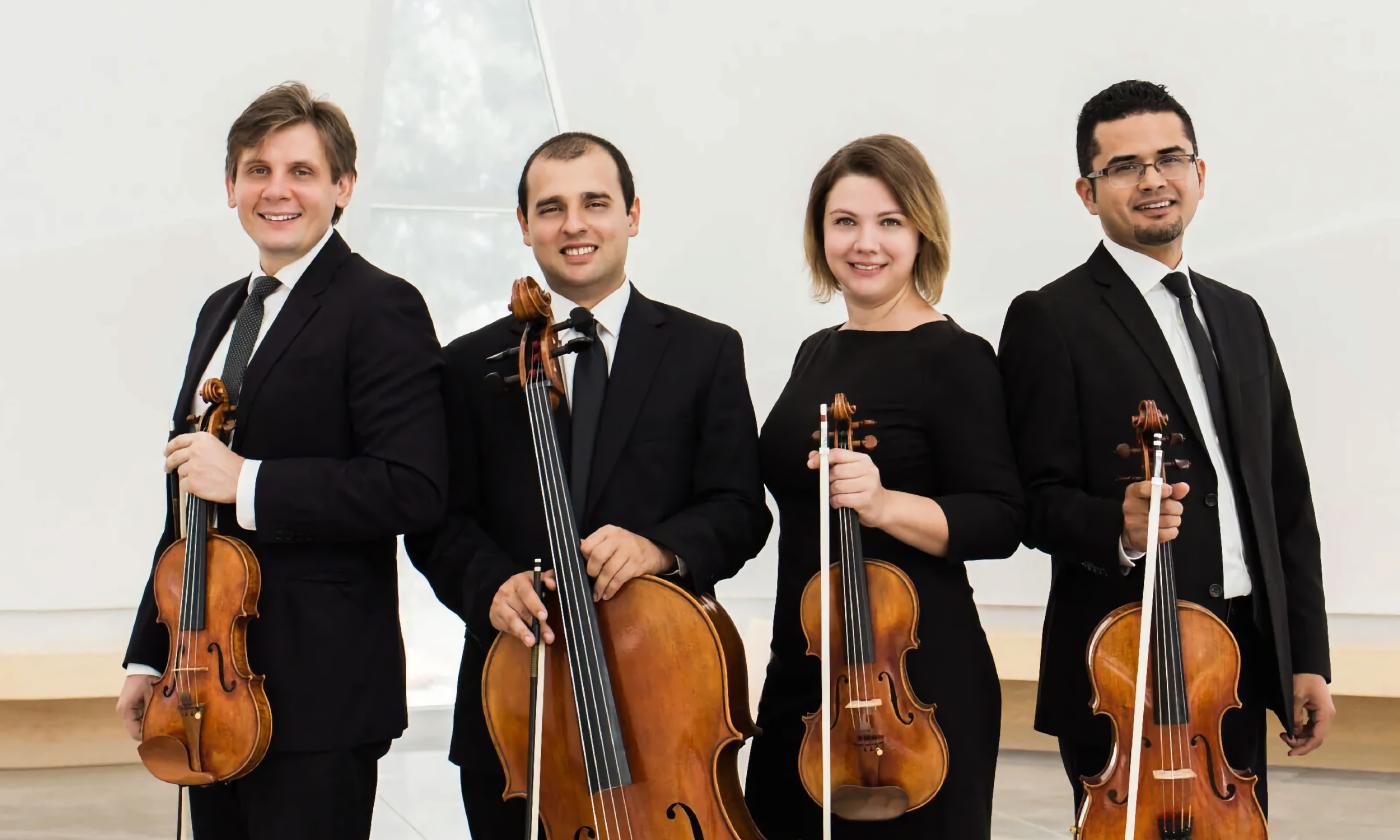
548, 494
1181, 671
589, 654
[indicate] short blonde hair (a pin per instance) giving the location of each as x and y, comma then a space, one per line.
900, 166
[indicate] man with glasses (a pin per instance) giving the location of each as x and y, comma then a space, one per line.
1137, 322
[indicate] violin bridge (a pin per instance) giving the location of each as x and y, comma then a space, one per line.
864, 704
1174, 775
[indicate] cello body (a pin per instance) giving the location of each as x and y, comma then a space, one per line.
682, 726
1215, 802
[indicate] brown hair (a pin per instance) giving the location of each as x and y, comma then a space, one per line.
289, 104
572, 145
899, 165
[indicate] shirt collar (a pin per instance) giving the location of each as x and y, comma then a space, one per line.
609, 311
291, 273
1144, 271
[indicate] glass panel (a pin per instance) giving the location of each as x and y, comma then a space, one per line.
465, 102
463, 263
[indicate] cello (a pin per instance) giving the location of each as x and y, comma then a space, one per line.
208, 719
634, 746
1178, 784
887, 753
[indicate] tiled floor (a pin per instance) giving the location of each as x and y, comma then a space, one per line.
419, 800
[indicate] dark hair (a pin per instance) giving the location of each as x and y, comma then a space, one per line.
1115, 102
900, 166
571, 145
289, 104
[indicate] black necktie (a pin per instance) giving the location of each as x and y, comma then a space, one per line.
585, 407
1178, 285
245, 334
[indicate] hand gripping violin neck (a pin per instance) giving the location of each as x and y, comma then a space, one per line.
888, 755
208, 720
1165, 671
644, 702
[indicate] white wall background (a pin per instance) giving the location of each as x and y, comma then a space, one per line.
113, 227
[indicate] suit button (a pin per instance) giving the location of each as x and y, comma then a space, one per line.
1211, 500
1216, 590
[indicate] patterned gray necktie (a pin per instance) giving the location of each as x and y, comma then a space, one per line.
245, 334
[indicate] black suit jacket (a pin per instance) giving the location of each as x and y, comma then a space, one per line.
342, 403
676, 461
1077, 356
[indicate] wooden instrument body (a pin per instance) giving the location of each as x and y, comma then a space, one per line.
1215, 802
231, 729
910, 752
681, 687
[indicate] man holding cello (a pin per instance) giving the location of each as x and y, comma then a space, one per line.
658, 436
339, 444
1136, 322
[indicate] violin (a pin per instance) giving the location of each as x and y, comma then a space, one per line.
644, 697
208, 719
887, 753
1176, 784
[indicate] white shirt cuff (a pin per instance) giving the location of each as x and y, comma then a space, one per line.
134, 668
247, 487
1127, 559
680, 567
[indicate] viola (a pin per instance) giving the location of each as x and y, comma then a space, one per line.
1165, 671
643, 698
208, 719
887, 753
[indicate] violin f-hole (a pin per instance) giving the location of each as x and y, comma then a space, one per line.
1229, 793
218, 652
894, 699
695, 830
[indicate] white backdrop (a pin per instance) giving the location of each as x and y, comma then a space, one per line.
113, 228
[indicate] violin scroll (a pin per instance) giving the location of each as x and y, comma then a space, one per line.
1147, 422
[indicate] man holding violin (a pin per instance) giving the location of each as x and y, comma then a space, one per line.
657, 430
1136, 322
339, 445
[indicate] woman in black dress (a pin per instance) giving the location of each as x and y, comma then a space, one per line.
940, 487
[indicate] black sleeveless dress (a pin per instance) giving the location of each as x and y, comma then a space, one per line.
936, 396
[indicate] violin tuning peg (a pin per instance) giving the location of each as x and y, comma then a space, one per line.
816, 435
1175, 439
1125, 451
869, 442
1181, 463
866, 423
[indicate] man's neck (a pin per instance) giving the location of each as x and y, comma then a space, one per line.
1168, 255
588, 296
273, 263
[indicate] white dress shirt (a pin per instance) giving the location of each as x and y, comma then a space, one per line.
1146, 274
248, 474
608, 315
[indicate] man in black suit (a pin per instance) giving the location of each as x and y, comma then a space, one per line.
671, 486
340, 445
1136, 322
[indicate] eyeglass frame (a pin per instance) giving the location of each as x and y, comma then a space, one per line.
1191, 157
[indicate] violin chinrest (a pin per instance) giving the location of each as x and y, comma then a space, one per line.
169, 761
868, 804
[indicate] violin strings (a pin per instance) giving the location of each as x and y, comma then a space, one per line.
549, 495
855, 616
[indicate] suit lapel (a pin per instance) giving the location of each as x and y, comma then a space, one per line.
640, 347
203, 349
1217, 312
1132, 310
301, 305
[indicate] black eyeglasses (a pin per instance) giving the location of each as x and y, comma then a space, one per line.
1170, 167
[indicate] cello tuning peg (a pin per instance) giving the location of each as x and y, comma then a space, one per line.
576, 345
495, 380
504, 354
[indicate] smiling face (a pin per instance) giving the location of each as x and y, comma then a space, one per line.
578, 224
1152, 216
869, 242
284, 194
